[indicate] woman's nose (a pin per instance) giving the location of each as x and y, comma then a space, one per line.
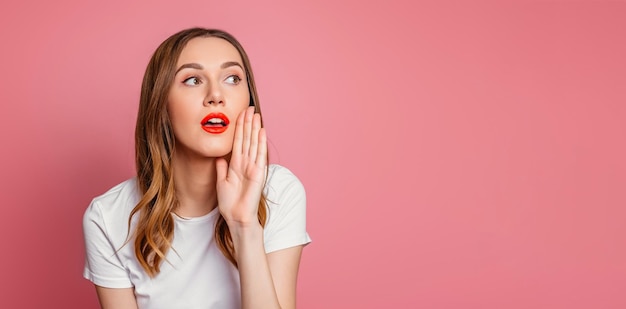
214, 96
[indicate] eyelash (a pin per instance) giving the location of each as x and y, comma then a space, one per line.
237, 80
190, 78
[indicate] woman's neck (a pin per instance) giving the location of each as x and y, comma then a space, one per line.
195, 185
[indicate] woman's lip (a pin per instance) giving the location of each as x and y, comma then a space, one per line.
215, 115
217, 129
214, 130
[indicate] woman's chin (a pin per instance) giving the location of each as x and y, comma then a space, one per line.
217, 153
202, 154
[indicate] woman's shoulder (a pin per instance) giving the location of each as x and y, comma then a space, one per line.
120, 194
280, 178
115, 204
286, 203
282, 185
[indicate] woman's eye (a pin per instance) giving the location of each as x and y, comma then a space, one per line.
191, 81
233, 79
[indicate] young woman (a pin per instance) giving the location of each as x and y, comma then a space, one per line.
206, 223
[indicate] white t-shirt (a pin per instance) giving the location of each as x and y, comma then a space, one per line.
196, 273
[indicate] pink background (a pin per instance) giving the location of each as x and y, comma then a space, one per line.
455, 154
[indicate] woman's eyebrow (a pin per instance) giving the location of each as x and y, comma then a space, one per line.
230, 64
190, 65
197, 66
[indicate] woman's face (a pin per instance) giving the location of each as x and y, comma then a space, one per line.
208, 93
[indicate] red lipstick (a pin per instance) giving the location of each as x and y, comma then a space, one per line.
215, 123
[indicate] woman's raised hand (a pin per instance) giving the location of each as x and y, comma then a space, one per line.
240, 183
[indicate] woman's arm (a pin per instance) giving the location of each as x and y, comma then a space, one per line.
103, 267
284, 265
116, 298
267, 280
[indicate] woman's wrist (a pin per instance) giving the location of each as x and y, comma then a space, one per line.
244, 228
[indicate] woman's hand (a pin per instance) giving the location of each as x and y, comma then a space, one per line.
267, 280
240, 183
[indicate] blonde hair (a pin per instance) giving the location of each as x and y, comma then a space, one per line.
154, 145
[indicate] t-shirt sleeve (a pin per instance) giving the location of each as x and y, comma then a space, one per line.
102, 266
286, 225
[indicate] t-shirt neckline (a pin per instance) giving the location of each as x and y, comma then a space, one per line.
202, 218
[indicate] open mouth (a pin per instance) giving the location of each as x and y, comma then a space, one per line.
215, 123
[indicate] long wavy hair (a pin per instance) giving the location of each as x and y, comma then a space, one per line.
154, 146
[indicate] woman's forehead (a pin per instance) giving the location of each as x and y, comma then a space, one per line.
207, 51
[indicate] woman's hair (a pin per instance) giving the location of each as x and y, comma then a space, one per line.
154, 147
